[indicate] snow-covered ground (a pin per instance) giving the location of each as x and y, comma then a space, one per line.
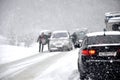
9, 53
65, 68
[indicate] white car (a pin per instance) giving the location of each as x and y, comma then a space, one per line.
60, 40
112, 21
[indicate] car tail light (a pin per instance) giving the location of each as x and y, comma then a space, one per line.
89, 52
85, 52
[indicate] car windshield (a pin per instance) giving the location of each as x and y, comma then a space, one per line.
81, 34
108, 39
59, 35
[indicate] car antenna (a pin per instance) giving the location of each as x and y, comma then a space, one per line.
104, 31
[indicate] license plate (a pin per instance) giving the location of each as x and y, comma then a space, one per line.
107, 53
58, 45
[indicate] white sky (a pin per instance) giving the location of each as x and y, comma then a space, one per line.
31, 16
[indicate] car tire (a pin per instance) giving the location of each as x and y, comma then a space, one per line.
69, 49
51, 50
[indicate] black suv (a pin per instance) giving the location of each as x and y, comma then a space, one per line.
99, 56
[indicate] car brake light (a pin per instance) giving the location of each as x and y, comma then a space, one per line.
85, 52
88, 52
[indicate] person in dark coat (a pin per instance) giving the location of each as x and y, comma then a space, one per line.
74, 37
48, 39
42, 39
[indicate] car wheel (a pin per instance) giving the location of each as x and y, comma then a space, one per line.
51, 50
69, 49
65, 49
72, 47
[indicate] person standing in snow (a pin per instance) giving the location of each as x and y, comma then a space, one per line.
74, 37
48, 39
42, 39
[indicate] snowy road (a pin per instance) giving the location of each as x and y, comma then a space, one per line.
46, 66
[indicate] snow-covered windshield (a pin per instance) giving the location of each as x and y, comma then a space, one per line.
60, 35
107, 39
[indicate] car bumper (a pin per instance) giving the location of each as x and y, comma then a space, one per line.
102, 68
59, 47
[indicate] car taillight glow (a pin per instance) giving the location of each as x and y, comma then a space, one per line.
92, 52
88, 52
85, 52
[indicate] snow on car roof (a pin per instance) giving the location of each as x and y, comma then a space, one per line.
112, 13
64, 31
103, 44
102, 33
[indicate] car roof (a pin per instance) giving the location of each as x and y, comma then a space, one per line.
112, 13
102, 33
64, 31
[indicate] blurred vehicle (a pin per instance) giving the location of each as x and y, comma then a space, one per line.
99, 56
109, 15
77, 37
60, 40
112, 21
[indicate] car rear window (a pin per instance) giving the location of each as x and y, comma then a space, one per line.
80, 35
59, 35
107, 39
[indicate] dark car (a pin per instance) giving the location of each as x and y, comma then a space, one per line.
77, 38
99, 56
